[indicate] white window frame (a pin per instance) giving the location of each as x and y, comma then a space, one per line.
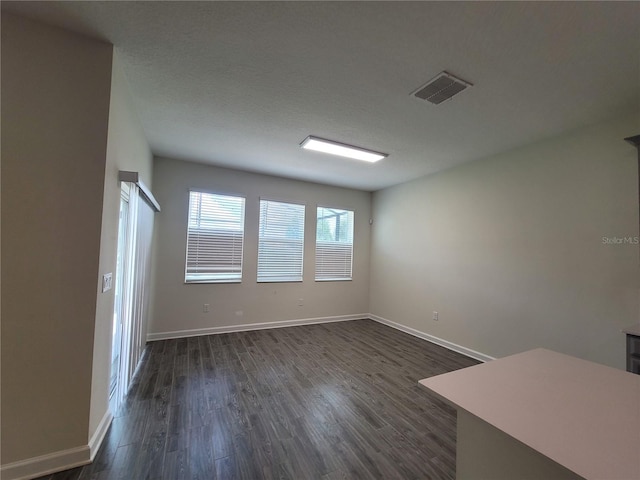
267, 271
329, 271
232, 274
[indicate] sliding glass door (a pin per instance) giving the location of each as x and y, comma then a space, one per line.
131, 289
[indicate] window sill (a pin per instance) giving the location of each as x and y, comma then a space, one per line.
197, 282
280, 280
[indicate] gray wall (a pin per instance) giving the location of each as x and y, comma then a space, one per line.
55, 111
509, 249
179, 307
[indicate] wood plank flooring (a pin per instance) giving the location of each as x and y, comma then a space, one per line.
328, 401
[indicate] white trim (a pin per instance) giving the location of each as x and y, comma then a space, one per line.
430, 338
98, 436
134, 177
151, 337
46, 464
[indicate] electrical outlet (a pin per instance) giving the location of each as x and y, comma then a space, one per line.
300, 302
205, 308
435, 316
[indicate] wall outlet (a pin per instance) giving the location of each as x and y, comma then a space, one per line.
300, 302
205, 308
239, 313
107, 282
435, 316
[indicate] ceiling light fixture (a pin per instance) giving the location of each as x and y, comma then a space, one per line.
341, 149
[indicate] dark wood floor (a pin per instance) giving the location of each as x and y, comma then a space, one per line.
329, 401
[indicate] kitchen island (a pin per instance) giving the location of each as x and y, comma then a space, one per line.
544, 415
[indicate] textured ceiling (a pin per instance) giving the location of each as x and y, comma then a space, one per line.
241, 84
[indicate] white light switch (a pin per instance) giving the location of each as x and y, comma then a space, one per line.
106, 282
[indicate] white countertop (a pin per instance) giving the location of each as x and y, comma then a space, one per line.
633, 329
582, 415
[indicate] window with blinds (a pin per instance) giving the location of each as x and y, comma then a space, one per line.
280, 242
334, 244
215, 236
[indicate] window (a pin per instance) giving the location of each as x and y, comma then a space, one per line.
334, 244
280, 242
215, 235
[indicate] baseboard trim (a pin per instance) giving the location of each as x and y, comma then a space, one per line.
58, 461
46, 464
152, 337
98, 436
433, 339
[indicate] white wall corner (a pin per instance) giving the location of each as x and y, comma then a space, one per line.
433, 339
95, 442
252, 326
46, 464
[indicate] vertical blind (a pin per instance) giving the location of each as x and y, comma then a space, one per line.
140, 283
334, 244
136, 250
215, 236
280, 242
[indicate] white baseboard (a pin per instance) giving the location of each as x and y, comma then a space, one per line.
151, 337
58, 461
430, 338
98, 436
309, 321
46, 464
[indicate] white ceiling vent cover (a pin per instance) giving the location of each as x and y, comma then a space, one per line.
440, 88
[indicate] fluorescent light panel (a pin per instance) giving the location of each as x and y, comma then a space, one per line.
341, 149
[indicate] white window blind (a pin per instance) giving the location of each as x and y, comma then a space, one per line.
334, 244
215, 236
280, 242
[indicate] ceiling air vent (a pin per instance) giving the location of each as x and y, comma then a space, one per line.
440, 88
